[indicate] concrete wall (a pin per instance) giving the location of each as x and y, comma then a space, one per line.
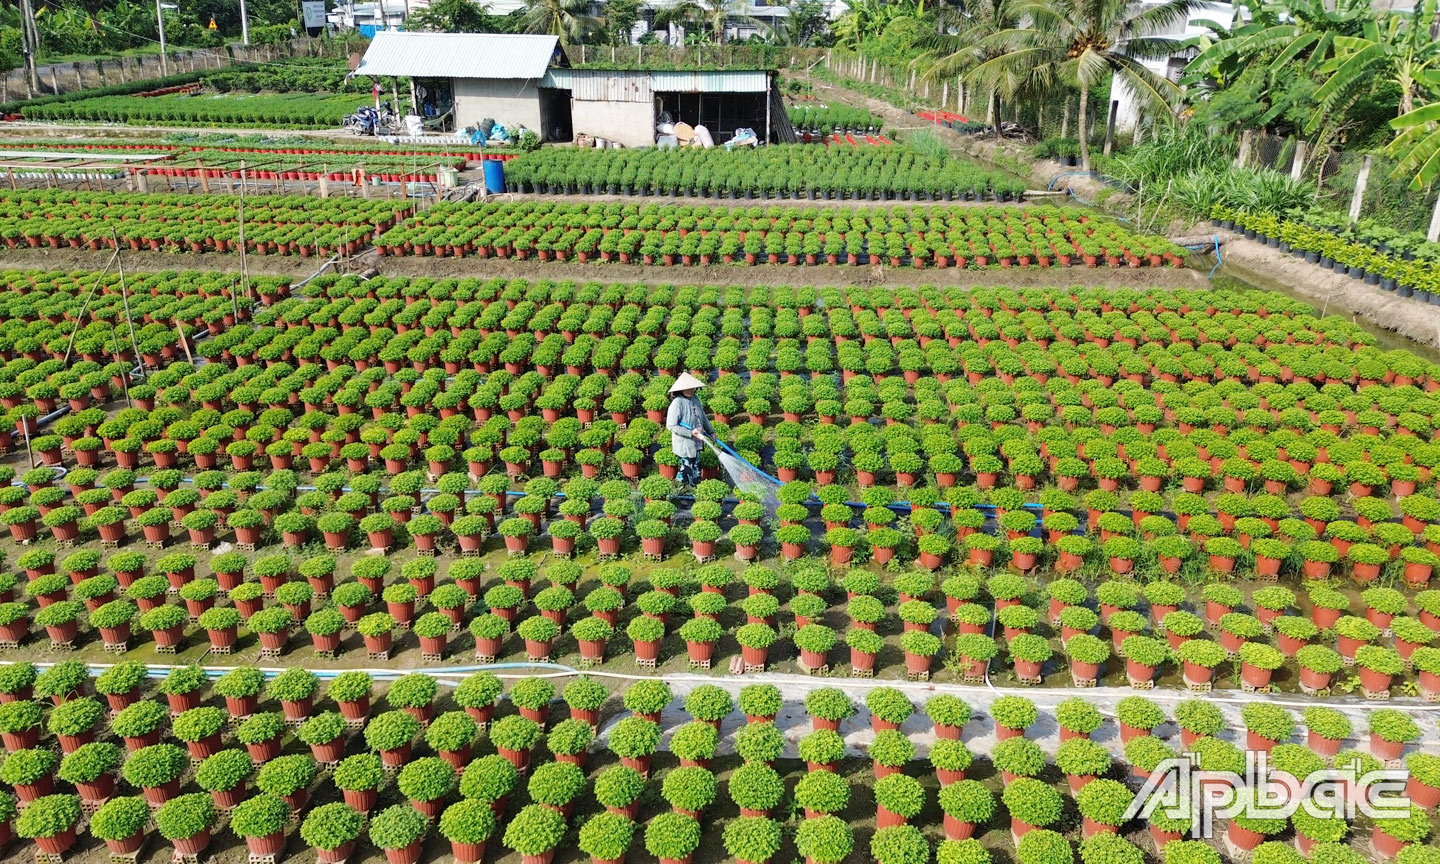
510, 101
630, 123
55, 79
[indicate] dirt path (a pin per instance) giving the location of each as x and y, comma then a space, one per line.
764, 274
64, 131
1001, 155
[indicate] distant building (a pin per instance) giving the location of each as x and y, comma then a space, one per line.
474, 75
1128, 108
527, 80
369, 18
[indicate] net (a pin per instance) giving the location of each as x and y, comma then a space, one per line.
747, 478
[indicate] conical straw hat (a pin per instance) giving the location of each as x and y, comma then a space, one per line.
686, 381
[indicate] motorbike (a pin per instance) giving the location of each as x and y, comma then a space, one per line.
368, 120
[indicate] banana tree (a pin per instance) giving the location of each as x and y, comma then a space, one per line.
1397, 49
1281, 35
1417, 145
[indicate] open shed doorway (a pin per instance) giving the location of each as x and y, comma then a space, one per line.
435, 102
721, 113
555, 116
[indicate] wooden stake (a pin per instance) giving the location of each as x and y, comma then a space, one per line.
1242, 157
184, 342
84, 307
129, 321
244, 263
1361, 181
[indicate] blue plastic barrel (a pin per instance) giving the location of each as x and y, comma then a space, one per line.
494, 176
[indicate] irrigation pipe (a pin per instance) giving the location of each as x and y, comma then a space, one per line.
313, 276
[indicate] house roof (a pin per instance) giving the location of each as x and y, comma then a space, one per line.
458, 55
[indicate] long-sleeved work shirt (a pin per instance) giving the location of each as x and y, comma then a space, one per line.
686, 411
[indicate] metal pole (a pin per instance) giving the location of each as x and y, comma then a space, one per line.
769, 99
160, 21
244, 265
86, 305
31, 42
244, 25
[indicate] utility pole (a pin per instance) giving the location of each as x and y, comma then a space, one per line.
30, 40
244, 24
160, 21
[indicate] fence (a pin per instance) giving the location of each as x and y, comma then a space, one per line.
907, 88
694, 57
61, 78
911, 88
1336, 175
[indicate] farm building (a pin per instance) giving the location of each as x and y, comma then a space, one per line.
624, 105
475, 75
528, 80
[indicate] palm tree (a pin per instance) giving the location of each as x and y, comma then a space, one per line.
804, 19
705, 16
1085, 42
965, 44
568, 19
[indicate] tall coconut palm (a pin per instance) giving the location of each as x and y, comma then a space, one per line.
966, 45
706, 16
1086, 42
568, 19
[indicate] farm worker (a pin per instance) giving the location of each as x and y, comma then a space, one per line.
688, 426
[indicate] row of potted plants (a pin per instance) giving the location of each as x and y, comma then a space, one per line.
307, 110
829, 118
1363, 258
787, 170
486, 783
188, 223
1262, 515
964, 236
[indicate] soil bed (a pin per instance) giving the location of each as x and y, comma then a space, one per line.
761, 274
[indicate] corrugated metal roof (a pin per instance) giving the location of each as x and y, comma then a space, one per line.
601, 85
610, 85
709, 81
458, 55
